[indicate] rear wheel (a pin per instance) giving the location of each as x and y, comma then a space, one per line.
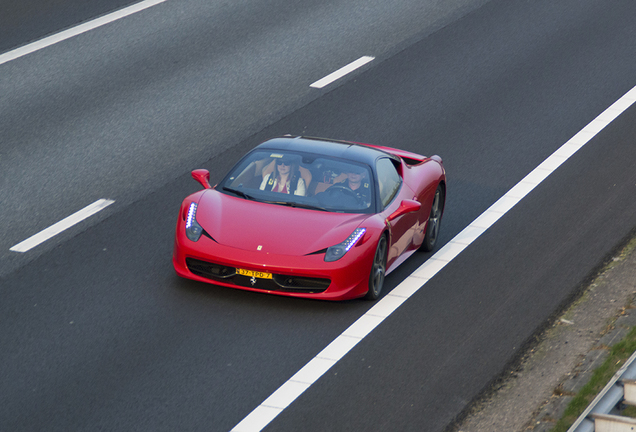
376, 278
434, 221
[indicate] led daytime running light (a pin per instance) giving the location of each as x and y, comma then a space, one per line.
336, 252
353, 238
192, 211
192, 228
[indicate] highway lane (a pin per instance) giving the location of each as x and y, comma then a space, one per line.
509, 284
29, 20
121, 110
102, 334
419, 369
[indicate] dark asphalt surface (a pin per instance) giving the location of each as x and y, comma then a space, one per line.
424, 363
100, 333
121, 110
26, 21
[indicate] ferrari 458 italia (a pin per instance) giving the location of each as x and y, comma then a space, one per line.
308, 217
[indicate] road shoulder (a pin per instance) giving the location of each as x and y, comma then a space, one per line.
533, 395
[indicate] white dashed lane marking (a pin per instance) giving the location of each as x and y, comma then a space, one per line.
62, 225
342, 72
75, 31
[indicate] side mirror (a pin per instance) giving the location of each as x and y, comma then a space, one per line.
203, 177
406, 206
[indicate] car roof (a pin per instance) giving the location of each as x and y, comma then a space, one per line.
338, 149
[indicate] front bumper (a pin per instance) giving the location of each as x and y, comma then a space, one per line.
306, 276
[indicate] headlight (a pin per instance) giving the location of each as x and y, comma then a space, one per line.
336, 252
192, 228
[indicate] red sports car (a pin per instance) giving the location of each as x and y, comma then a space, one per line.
308, 217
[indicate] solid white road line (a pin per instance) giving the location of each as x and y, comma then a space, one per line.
62, 225
74, 31
342, 72
309, 374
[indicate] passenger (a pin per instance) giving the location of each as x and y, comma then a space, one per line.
286, 180
355, 181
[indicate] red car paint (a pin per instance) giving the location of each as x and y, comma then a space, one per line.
290, 242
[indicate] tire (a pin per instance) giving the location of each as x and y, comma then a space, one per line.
378, 270
434, 221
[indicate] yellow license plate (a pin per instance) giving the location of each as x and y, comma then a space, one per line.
252, 273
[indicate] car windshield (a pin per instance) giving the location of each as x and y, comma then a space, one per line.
302, 180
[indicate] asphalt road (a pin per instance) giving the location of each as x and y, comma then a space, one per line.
120, 111
98, 332
30, 20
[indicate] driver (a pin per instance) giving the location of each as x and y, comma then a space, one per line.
356, 181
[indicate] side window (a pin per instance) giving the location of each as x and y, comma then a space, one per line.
389, 180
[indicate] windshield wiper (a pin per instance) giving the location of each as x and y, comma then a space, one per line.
238, 192
305, 206
298, 205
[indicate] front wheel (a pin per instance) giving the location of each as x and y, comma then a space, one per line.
434, 221
376, 278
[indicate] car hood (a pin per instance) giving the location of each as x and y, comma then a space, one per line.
272, 228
